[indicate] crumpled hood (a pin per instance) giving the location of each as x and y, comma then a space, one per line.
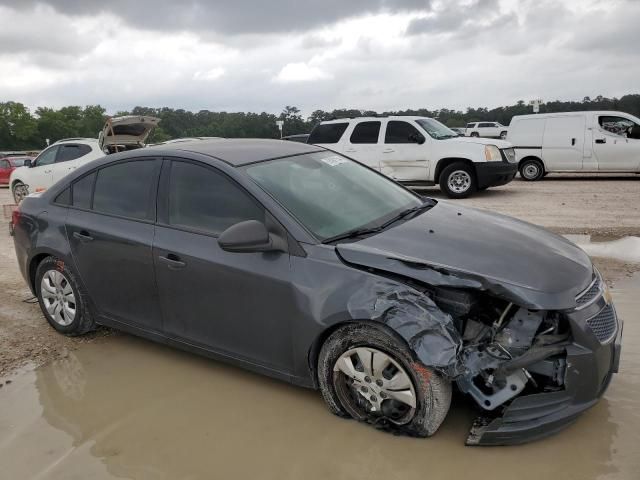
466, 247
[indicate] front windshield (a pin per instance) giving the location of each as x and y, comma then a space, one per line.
330, 194
435, 129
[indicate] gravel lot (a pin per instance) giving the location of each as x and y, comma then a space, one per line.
606, 206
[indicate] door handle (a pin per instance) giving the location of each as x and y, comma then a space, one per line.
601, 140
172, 261
388, 150
350, 150
573, 141
83, 236
48, 171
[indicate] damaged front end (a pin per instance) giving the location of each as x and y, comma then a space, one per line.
531, 371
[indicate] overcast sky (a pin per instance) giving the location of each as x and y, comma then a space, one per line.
257, 55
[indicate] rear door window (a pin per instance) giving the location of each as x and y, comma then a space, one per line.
83, 191
127, 189
327, 133
366, 132
400, 132
202, 199
71, 152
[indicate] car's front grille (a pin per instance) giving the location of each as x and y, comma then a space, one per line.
510, 155
590, 293
604, 324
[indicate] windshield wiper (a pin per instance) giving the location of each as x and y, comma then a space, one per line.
358, 232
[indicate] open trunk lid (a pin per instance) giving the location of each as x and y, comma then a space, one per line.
126, 133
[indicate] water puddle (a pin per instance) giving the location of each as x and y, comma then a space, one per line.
128, 408
626, 249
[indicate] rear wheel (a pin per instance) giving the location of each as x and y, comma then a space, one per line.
531, 169
20, 190
367, 374
474, 134
62, 299
503, 135
458, 180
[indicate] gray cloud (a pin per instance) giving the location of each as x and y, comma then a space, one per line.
227, 17
453, 16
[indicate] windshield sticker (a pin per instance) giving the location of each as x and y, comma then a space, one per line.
333, 161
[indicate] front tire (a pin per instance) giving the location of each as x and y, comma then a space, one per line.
62, 299
474, 134
367, 374
458, 180
531, 169
503, 135
20, 190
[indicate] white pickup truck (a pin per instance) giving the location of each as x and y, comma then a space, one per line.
420, 151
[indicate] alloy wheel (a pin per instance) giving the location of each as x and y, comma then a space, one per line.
19, 192
372, 384
459, 181
58, 297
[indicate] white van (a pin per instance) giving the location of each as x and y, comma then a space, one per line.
575, 142
420, 151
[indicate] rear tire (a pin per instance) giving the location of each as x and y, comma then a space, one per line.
531, 169
474, 134
425, 395
62, 299
503, 135
458, 180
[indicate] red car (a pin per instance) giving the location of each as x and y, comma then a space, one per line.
8, 165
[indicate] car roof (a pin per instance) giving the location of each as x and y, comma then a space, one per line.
389, 117
76, 140
239, 151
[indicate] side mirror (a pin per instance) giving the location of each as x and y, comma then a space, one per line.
634, 132
417, 138
247, 236
27, 163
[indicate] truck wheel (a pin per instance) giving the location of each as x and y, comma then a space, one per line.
367, 374
474, 134
458, 180
503, 135
531, 169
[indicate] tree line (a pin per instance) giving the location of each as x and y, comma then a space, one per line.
21, 128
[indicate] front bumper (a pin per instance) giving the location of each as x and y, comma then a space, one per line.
590, 367
493, 174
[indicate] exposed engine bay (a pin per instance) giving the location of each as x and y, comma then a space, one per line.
506, 349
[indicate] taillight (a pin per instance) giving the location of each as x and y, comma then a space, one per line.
15, 216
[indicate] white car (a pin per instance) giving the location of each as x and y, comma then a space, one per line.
64, 156
486, 130
599, 141
420, 151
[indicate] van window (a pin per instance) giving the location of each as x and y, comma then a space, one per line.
617, 125
366, 132
327, 133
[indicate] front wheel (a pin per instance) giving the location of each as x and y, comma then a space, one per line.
367, 374
503, 135
531, 169
458, 180
474, 134
20, 190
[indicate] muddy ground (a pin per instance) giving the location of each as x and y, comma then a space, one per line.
109, 405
